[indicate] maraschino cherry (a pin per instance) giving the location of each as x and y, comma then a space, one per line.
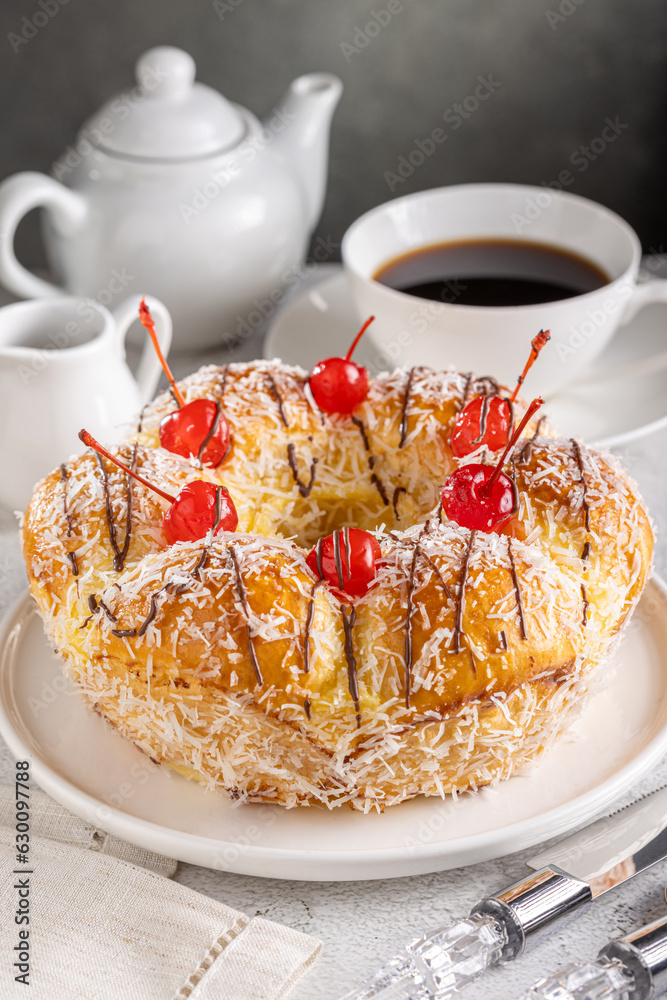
197, 429
339, 385
346, 560
482, 497
199, 507
487, 420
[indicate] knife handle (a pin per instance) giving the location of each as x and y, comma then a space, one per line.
439, 965
631, 967
604, 979
530, 909
498, 930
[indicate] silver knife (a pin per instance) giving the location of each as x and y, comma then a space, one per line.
566, 879
633, 966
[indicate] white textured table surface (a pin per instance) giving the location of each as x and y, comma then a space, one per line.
363, 923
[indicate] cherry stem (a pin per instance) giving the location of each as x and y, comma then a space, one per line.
358, 337
90, 442
149, 324
537, 343
532, 409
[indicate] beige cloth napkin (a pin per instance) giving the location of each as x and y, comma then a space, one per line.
49, 819
103, 928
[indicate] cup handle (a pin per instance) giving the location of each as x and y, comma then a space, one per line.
150, 369
18, 195
648, 293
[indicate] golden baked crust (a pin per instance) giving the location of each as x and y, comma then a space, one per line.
227, 660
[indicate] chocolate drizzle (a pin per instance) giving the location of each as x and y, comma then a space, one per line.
318, 557
203, 557
517, 590
119, 554
278, 398
466, 390
150, 617
503, 639
348, 625
408, 625
338, 559
526, 451
304, 488
100, 604
394, 500
458, 622
240, 587
310, 614
140, 421
489, 385
223, 380
375, 479
437, 572
64, 476
377, 482
306, 707
584, 500
483, 419
586, 605
404, 408
169, 588
211, 431
141, 629
359, 424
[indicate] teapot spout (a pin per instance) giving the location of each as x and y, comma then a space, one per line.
301, 124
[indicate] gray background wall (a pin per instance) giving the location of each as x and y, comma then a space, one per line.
560, 68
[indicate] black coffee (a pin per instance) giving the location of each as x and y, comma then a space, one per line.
491, 272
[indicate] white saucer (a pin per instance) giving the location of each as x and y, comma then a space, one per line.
610, 411
88, 767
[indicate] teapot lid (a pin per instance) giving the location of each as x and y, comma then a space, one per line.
168, 116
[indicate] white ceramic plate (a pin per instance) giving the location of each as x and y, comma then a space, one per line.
322, 322
84, 764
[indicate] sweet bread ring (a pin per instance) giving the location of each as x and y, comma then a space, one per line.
229, 661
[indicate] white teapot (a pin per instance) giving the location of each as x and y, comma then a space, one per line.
172, 189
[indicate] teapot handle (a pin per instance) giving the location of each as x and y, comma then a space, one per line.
150, 369
18, 195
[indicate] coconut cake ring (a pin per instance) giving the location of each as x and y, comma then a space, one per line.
227, 659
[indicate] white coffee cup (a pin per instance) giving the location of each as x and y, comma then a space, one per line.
495, 340
62, 367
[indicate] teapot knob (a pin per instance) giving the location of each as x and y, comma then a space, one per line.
166, 71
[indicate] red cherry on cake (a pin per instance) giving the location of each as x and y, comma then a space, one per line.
487, 420
194, 513
200, 506
339, 385
481, 497
468, 499
346, 560
198, 429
